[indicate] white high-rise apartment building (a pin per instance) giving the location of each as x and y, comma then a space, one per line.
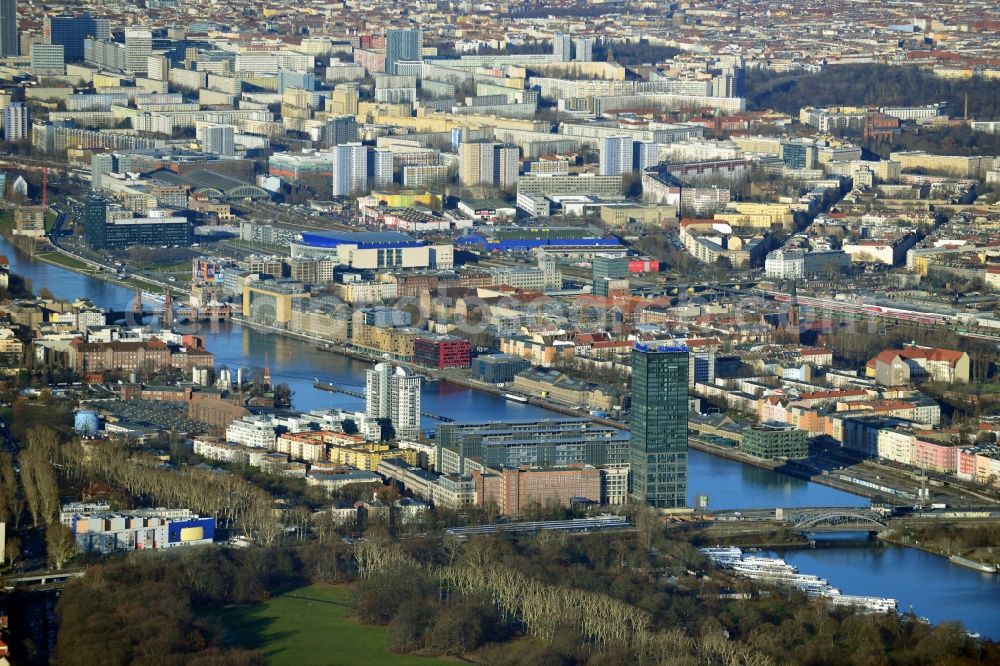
216, 138
562, 46
350, 169
394, 393
380, 172
616, 155
584, 49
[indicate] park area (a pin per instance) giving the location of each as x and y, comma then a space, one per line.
311, 626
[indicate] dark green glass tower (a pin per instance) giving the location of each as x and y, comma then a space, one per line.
659, 425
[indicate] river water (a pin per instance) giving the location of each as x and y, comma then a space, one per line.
934, 587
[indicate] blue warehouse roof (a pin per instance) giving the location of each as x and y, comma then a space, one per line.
363, 239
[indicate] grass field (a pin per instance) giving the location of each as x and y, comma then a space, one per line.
308, 626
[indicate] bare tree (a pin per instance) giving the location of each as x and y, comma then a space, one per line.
60, 545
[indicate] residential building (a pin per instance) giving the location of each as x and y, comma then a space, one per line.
616, 156
485, 163
350, 169
16, 118
401, 45
562, 46
216, 138
394, 393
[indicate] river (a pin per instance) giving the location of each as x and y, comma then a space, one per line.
936, 588
926, 584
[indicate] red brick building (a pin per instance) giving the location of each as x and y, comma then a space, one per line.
96, 358
513, 489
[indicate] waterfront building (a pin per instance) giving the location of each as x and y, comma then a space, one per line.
776, 440
442, 351
659, 426
498, 368
464, 447
394, 393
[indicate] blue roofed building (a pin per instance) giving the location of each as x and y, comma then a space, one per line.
373, 250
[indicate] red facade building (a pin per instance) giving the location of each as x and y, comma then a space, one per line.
445, 351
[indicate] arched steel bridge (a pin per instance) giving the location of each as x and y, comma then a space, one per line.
812, 519
819, 519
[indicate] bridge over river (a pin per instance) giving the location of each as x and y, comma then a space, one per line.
814, 519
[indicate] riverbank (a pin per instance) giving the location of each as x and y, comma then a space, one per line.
782, 467
945, 545
71, 262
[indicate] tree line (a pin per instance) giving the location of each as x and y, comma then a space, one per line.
871, 85
641, 597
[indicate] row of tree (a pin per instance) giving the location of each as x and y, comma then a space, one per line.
871, 85
233, 501
35, 491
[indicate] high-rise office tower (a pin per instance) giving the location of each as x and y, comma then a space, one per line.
8, 28
95, 218
138, 48
658, 445
401, 44
70, 31
350, 169
616, 155
584, 47
394, 393
562, 46
607, 269
16, 122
